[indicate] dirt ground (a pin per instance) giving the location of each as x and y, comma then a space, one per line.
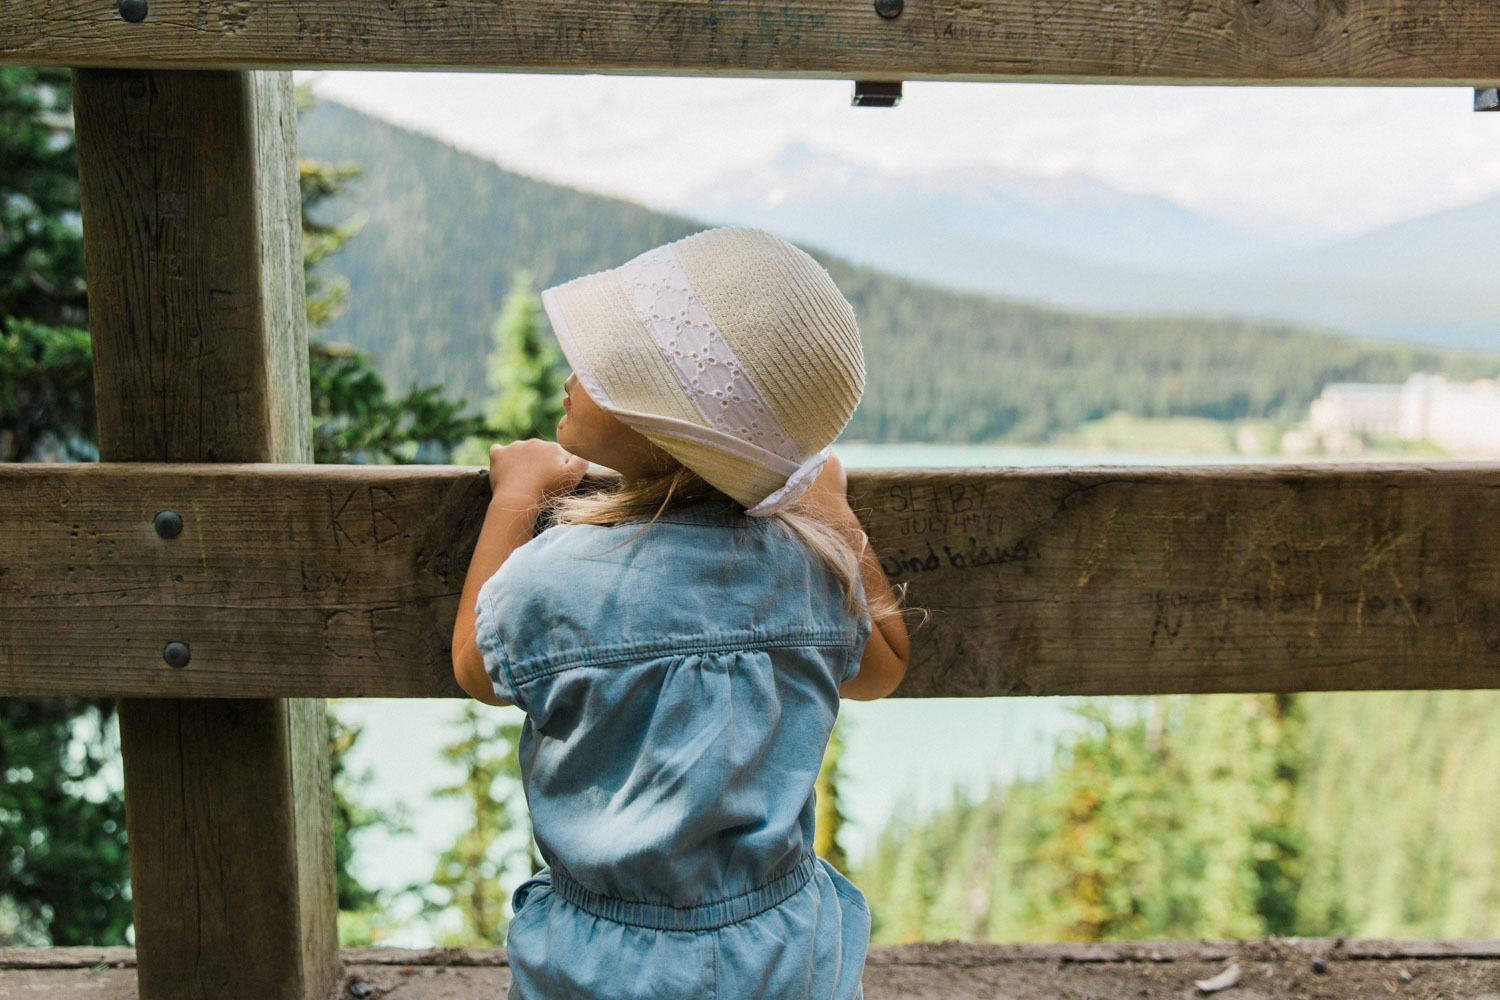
1322, 969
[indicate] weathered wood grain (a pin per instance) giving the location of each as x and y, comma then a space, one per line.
1116, 581
286, 581
925, 953
190, 215
194, 251
343, 581
952, 970
1144, 41
225, 847
76, 957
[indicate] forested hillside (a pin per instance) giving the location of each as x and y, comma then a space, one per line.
1075, 241
1364, 814
445, 233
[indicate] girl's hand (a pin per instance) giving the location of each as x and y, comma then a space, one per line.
524, 472
522, 475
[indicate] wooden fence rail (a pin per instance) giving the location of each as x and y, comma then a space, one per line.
343, 581
1405, 42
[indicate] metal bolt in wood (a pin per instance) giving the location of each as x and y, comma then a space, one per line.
168, 523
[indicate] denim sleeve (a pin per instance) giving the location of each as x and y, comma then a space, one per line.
492, 647
862, 628
856, 650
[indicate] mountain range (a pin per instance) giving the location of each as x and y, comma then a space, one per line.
1076, 242
447, 235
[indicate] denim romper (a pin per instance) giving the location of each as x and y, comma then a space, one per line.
679, 686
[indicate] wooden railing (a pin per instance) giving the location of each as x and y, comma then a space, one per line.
1079, 41
342, 581
287, 583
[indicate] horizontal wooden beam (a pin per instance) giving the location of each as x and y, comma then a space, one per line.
954, 970
343, 581
928, 954
285, 581
1402, 42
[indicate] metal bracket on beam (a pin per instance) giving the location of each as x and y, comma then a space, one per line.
876, 93
1487, 98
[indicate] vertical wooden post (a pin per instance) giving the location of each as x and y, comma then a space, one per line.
191, 228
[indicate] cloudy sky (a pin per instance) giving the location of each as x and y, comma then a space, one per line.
1340, 159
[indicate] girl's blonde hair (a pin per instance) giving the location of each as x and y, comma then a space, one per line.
652, 496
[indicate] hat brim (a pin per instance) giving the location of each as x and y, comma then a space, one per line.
621, 367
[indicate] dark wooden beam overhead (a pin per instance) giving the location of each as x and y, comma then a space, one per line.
1398, 42
344, 581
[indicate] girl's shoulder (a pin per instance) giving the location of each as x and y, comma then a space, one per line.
698, 581
566, 562
696, 569
715, 526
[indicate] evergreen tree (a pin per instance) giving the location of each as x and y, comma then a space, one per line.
63, 868
1170, 817
1221, 816
471, 876
525, 372
318, 183
46, 392
902, 913
354, 417
1092, 843
1165, 817
1402, 837
64, 877
41, 244
1238, 758
363, 912
354, 420
46, 373
525, 368
961, 897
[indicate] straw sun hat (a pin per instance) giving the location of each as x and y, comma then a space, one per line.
732, 350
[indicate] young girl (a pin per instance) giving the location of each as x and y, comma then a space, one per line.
679, 643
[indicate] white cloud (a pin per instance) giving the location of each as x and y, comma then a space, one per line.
1342, 159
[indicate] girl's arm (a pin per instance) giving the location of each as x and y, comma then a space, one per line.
522, 475
888, 651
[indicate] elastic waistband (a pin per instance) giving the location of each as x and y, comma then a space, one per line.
704, 917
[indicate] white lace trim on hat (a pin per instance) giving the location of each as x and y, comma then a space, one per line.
797, 484
799, 477
729, 443
667, 304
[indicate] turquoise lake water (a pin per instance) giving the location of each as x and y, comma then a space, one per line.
903, 756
